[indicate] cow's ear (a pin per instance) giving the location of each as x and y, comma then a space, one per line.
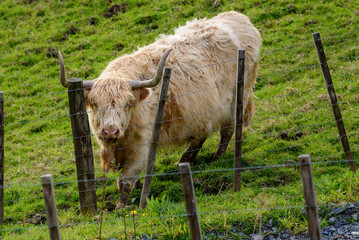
142, 94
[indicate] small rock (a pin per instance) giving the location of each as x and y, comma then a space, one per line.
270, 237
332, 219
338, 210
355, 216
270, 222
341, 232
257, 237
146, 237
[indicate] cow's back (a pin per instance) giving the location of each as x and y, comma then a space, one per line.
203, 61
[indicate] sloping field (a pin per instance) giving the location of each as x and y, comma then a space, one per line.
293, 116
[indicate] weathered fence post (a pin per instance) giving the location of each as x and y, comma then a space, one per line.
155, 136
333, 101
239, 121
190, 200
309, 196
83, 146
50, 203
2, 157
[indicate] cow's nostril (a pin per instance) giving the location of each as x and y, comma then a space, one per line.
109, 132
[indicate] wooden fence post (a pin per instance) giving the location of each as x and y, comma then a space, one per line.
50, 203
2, 157
333, 100
239, 121
155, 137
309, 196
190, 200
83, 146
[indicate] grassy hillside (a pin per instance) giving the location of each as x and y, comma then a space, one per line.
293, 114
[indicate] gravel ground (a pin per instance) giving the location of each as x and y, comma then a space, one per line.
343, 225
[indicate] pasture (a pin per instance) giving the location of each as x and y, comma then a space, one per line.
293, 116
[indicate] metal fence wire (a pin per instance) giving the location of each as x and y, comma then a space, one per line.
28, 189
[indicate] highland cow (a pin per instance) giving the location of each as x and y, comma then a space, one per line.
201, 96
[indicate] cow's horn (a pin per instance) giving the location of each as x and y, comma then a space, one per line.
86, 84
157, 78
62, 71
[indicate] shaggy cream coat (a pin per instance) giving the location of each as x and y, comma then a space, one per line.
201, 93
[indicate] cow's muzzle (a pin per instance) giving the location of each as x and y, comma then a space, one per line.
110, 134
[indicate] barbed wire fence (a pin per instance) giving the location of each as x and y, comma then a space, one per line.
88, 175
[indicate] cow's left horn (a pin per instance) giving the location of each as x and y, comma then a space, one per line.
62, 71
156, 79
86, 84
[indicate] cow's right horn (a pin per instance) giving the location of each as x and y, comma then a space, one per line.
86, 84
156, 79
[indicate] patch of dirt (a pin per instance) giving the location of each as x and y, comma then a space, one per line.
114, 10
119, 46
67, 172
186, 2
72, 30
29, 1
287, 137
215, 187
291, 8
93, 20
37, 219
311, 22
51, 52
281, 179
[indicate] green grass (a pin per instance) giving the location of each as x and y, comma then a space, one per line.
38, 130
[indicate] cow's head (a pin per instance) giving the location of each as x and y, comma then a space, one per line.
111, 98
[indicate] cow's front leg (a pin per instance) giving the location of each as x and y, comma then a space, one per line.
107, 155
129, 176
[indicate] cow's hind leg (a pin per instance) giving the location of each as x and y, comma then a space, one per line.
226, 135
192, 151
